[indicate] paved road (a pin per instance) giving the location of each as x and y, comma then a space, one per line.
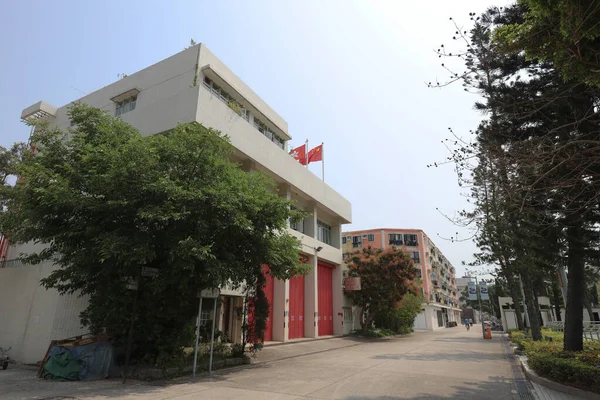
451, 363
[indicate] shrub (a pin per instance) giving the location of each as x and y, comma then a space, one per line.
530, 347
237, 350
402, 318
565, 370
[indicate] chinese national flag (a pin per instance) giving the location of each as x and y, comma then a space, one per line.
316, 154
299, 153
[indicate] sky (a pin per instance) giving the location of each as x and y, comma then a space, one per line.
351, 74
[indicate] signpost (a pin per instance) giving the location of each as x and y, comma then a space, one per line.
209, 294
131, 285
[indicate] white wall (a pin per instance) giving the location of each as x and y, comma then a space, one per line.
420, 321
31, 316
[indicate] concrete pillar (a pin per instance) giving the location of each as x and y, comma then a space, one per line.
383, 241
310, 222
311, 300
336, 236
281, 303
284, 191
337, 294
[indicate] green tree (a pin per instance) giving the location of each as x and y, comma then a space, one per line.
565, 32
386, 276
106, 202
533, 166
400, 319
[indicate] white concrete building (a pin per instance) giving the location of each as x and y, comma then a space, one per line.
195, 86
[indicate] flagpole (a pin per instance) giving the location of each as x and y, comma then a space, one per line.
306, 152
323, 161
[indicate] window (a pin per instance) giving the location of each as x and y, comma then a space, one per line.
323, 232
411, 240
242, 111
347, 314
272, 136
298, 226
395, 239
416, 257
205, 317
356, 241
371, 238
125, 106
344, 240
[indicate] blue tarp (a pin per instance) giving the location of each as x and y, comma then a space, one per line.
95, 359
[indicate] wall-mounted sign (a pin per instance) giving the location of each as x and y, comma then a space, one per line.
210, 293
352, 283
152, 272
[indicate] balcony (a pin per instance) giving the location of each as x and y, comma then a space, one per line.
395, 242
357, 244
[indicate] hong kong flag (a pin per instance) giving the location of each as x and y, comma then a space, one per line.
299, 153
316, 154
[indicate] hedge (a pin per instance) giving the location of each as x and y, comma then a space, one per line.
569, 371
548, 359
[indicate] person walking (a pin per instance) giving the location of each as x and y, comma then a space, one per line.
467, 324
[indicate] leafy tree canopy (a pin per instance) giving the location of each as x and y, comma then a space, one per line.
106, 201
565, 32
386, 275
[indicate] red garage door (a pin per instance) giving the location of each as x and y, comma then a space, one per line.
269, 295
325, 299
296, 314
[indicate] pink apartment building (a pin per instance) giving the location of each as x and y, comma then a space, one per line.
440, 294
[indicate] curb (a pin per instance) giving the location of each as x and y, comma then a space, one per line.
277, 344
532, 376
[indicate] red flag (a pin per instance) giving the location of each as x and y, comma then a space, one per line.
316, 154
299, 153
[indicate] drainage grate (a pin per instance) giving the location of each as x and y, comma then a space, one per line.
522, 388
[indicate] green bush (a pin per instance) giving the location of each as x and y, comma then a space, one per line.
401, 319
530, 347
563, 369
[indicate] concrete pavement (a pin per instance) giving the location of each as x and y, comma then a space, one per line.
448, 364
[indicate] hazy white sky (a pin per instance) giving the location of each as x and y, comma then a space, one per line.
351, 74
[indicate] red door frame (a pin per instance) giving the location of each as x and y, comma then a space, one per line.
325, 283
296, 312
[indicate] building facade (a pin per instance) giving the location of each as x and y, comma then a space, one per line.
195, 86
437, 275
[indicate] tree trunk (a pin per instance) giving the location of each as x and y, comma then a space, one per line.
556, 297
575, 289
534, 316
516, 297
367, 322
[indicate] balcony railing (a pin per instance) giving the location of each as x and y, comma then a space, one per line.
356, 244
243, 113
